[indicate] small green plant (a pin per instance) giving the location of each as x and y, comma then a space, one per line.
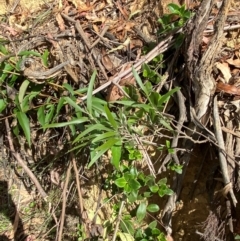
118, 131
179, 13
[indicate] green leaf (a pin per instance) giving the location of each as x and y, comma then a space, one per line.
140, 83
99, 151
162, 181
110, 118
120, 182
127, 226
153, 224
41, 115
125, 236
50, 112
27, 53
24, 123
91, 128
141, 211
104, 136
174, 8
153, 208
72, 122
22, 92
165, 124
3, 49
133, 184
125, 102
132, 196
164, 190
45, 58
165, 97
3, 105
116, 154
69, 88
59, 106
156, 231
154, 188
74, 105
89, 93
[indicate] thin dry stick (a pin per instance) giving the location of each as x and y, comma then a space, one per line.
160, 48
105, 29
118, 221
22, 163
64, 200
226, 28
221, 150
78, 187
81, 32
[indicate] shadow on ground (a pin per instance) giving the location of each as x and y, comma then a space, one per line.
9, 210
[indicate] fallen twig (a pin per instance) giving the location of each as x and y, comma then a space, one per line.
64, 200
22, 163
221, 150
160, 48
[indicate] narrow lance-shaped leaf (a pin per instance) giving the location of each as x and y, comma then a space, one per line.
110, 117
104, 136
89, 93
22, 92
24, 123
98, 152
41, 115
91, 128
141, 211
116, 154
72, 122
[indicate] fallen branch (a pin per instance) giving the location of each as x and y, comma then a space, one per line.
221, 150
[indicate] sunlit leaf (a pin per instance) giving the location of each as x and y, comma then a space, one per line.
44, 58
69, 88
153, 224
22, 92
99, 151
41, 115
91, 128
116, 154
153, 208
110, 117
3, 105
104, 136
72, 122
89, 93
141, 211
120, 182
74, 105
140, 83
125, 236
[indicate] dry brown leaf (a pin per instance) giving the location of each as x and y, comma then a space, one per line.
107, 63
100, 6
137, 5
114, 94
60, 22
225, 70
229, 89
136, 43
110, 61
234, 62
